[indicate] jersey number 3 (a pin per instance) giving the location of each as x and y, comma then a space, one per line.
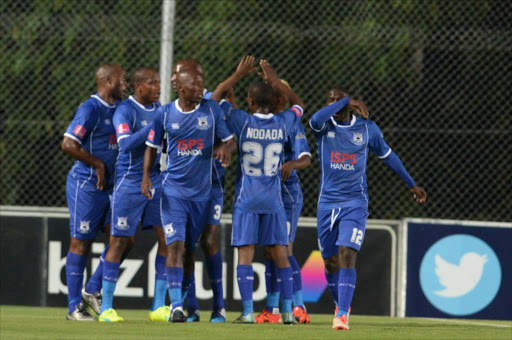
254, 154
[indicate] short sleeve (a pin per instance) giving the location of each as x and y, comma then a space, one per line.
86, 118
123, 122
377, 143
292, 117
300, 142
156, 134
222, 130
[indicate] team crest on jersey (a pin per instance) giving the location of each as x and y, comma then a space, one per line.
358, 138
331, 134
84, 227
202, 123
122, 223
175, 126
169, 230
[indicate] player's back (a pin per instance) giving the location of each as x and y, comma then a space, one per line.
131, 117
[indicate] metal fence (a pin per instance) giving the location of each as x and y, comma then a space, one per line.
435, 75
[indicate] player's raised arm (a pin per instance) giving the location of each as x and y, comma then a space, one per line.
269, 75
324, 114
245, 67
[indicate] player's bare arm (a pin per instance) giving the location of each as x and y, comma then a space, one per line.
420, 195
149, 159
75, 150
245, 67
269, 75
286, 169
230, 97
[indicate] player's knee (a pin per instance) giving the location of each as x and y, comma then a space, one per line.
331, 264
348, 257
209, 244
80, 247
267, 252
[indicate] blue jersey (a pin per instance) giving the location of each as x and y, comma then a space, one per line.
343, 153
295, 147
93, 128
219, 172
261, 140
133, 121
190, 141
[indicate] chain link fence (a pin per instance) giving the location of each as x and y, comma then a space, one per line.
435, 75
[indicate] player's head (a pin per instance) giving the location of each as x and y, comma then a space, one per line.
279, 102
146, 85
190, 85
112, 79
335, 94
260, 96
186, 65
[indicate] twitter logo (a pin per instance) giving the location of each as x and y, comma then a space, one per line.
460, 274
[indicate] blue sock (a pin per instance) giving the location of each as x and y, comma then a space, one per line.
174, 282
346, 287
297, 282
188, 290
285, 279
75, 265
214, 270
245, 278
272, 287
94, 283
332, 282
110, 276
160, 283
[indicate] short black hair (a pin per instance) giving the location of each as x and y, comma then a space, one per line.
141, 74
262, 94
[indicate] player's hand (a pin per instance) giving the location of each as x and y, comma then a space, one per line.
420, 195
286, 170
223, 155
101, 175
359, 107
147, 188
269, 75
246, 66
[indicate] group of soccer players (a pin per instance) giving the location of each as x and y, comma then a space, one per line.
116, 183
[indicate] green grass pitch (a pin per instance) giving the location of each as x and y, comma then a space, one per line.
20, 322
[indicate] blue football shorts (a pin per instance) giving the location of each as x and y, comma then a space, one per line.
293, 202
129, 206
258, 228
216, 205
341, 227
183, 220
89, 208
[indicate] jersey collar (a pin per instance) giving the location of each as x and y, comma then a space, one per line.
177, 106
352, 122
264, 116
132, 98
104, 103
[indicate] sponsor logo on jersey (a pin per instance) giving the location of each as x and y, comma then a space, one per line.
358, 138
175, 126
202, 123
151, 135
269, 134
79, 131
112, 142
343, 160
84, 227
122, 223
190, 147
169, 230
123, 128
331, 134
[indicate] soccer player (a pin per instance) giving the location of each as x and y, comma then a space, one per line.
259, 215
209, 238
191, 124
343, 144
132, 120
296, 156
91, 140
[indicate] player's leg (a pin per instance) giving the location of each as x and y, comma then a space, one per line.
188, 290
87, 207
275, 233
270, 313
159, 311
244, 237
352, 227
213, 263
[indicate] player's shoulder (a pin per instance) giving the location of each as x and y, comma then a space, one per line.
208, 103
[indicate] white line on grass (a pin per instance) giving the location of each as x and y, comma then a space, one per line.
470, 323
